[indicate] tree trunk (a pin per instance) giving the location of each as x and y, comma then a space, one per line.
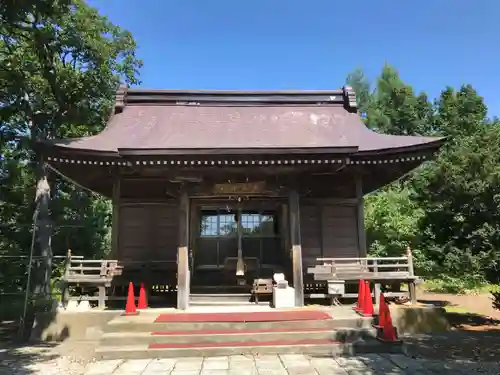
43, 227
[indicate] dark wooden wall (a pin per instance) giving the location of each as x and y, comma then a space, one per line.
329, 229
148, 231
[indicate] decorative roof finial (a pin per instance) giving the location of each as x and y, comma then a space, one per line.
349, 99
121, 98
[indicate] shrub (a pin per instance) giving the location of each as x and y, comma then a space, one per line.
495, 295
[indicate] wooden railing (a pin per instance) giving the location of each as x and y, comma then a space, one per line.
373, 268
104, 274
379, 270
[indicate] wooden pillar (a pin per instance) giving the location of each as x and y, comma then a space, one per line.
115, 230
295, 240
194, 232
360, 217
183, 254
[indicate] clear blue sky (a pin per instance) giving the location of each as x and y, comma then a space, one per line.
313, 44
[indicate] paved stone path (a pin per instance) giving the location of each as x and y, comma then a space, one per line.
290, 365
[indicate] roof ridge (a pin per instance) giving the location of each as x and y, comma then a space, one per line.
124, 96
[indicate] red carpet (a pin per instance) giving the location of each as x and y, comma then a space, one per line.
241, 317
241, 344
238, 331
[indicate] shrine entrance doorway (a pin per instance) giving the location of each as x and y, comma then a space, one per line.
235, 244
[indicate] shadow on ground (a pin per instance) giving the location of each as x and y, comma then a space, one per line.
473, 337
23, 359
459, 318
369, 364
18, 354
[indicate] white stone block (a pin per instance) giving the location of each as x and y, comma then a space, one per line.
283, 298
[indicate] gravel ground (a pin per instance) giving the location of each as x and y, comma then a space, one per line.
69, 358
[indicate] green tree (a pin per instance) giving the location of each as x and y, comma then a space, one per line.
60, 65
395, 108
391, 214
459, 113
392, 223
458, 191
461, 196
447, 209
361, 86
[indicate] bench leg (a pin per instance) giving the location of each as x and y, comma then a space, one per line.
334, 300
102, 297
413, 292
376, 292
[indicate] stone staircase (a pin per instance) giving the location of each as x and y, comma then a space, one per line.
140, 337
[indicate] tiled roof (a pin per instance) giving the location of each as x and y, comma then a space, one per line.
151, 122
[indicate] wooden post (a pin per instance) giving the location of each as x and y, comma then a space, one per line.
285, 230
377, 287
102, 297
409, 254
360, 217
183, 254
412, 289
240, 264
295, 240
115, 230
67, 263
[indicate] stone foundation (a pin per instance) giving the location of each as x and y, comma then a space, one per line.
89, 325
419, 319
65, 325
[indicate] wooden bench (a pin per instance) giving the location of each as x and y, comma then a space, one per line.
103, 274
261, 287
86, 272
382, 270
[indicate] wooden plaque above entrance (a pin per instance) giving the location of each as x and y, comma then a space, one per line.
240, 188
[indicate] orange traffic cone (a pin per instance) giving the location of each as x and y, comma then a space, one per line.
361, 289
130, 306
381, 312
387, 333
368, 304
143, 303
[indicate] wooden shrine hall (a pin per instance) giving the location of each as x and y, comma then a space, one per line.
213, 190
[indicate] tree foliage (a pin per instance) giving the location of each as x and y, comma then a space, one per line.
447, 209
60, 65
461, 196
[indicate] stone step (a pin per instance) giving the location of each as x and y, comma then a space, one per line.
239, 336
141, 324
221, 299
216, 302
220, 296
221, 289
311, 347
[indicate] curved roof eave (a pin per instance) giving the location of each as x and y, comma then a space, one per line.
66, 148
430, 146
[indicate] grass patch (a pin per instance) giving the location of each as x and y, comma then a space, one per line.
455, 286
456, 310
